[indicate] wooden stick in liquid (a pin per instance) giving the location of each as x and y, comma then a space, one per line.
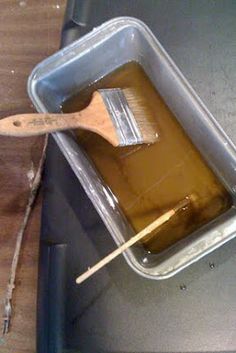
151, 227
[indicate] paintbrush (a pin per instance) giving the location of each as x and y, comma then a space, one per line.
181, 205
121, 116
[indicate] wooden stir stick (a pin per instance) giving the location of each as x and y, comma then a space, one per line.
151, 227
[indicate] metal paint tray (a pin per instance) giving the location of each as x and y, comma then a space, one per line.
114, 43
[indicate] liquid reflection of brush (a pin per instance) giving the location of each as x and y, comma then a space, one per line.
188, 201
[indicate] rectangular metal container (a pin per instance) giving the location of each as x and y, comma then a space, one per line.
100, 52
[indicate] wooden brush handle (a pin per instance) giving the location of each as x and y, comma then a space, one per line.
94, 118
36, 124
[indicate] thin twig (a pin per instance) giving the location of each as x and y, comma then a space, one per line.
19, 237
146, 231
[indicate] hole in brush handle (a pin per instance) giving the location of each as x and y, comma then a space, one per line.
17, 123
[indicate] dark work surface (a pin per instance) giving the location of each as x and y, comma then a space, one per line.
117, 310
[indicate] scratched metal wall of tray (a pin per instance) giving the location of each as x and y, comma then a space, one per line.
118, 311
74, 67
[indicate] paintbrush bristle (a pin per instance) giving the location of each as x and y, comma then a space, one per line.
143, 114
131, 115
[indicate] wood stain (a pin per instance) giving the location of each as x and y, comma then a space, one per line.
148, 180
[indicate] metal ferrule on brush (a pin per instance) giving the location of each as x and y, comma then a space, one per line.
122, 117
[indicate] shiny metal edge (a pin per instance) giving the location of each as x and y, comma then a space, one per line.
122, 117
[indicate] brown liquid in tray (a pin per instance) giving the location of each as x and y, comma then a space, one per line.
148, 180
